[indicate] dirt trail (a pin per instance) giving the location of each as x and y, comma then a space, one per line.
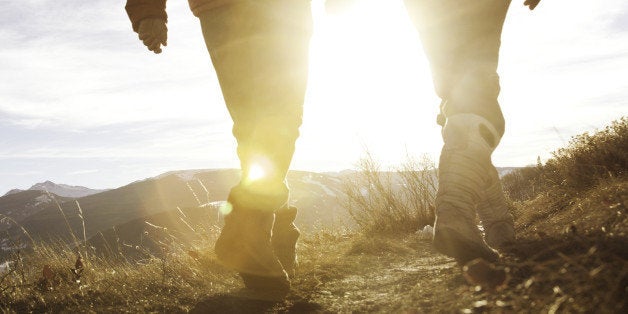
354, 273
387, 277
420, 281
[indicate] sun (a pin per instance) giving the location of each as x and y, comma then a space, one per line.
369, 87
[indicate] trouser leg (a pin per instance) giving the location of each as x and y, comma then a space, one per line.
461, 40
259, 49
260, 52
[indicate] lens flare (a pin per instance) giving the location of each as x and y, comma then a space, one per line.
256, 172
226, 208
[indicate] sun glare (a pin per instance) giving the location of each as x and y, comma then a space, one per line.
256, 172
369, 87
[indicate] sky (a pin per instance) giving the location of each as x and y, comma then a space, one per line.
83, 103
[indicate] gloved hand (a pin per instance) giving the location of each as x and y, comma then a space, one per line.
153, 33
531, 3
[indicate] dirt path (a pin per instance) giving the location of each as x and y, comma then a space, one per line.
386, 276
337, 278
419, 281
353, 273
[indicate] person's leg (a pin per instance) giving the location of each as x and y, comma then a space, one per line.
461, 40
259, 49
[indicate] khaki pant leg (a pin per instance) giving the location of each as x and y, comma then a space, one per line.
461, 39
259, 49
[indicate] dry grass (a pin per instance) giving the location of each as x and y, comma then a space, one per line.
394, 202
109, 285
49, 278
571, 273
572, 227
588, 160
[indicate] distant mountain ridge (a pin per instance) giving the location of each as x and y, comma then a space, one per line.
64, 190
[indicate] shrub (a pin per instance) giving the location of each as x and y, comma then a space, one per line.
525, 183
392, 202
590, 158
587, 160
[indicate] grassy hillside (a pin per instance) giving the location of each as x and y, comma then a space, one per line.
104, 210
572, 225
20, 205
570, 255
583, 188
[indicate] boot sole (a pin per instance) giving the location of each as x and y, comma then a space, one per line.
452, 243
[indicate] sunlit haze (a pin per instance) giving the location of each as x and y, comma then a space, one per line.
82, 102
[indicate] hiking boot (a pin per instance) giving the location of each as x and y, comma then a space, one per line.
500, 234
284, 238
499, 226
461, 239
464, 176
245, 246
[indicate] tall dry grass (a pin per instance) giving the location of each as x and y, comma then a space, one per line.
61, 275
391, 202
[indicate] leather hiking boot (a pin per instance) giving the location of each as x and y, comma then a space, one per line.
499, 234
461, 239
499, 226
245, 246
464, 174
284, 238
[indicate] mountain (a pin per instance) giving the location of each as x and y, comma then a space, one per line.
64, 189
17, 206
13, 192
22, 204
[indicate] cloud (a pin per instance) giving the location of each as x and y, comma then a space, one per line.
562, 70
83, 172
84, 66
130, 140
617, 20
44, 23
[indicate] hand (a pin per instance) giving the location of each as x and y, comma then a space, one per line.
531, 3
153, 33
